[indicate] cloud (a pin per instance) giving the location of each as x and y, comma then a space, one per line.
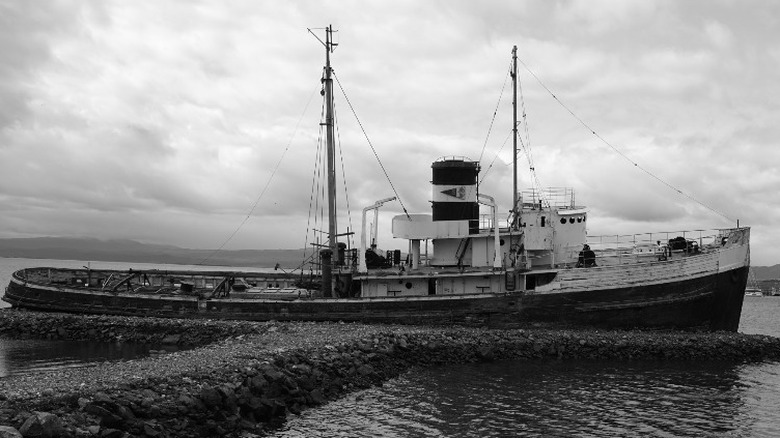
603, 16
166, 121
25, 28
718, 34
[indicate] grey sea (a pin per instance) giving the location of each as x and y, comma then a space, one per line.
569, 398
559, 398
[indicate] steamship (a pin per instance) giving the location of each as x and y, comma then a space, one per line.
539, 268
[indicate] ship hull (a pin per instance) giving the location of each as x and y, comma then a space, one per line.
710, 302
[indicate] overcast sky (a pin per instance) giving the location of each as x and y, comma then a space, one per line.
163, 121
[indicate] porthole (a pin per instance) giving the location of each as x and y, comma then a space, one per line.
563, 220
408, 285
501, 242
579, 219
571, 220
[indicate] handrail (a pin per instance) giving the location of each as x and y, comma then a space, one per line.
626, 247
555, 197
654, 237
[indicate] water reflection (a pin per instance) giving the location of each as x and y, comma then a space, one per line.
552, 398
31, 356
759, 387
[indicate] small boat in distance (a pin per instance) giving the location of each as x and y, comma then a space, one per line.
539, 268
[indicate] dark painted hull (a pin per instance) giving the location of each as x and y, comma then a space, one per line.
712, 302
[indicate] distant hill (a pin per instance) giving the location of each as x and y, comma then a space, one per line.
61, 248
766, 272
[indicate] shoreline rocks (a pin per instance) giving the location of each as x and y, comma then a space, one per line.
23, 324
257, 373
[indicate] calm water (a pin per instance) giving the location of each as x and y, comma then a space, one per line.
29, 356
508, 399
33, 356
559, 398
567, 398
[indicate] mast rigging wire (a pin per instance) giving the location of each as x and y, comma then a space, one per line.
319, 178
365, 134
267, 184
495, 157
493, 120
317, 189
525, 144
526, 147
621, 153
343, 175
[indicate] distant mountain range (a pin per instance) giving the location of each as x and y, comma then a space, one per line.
766, 272
62, 248
87, 249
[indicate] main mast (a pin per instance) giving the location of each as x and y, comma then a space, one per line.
330, 147
514, 136
330, 257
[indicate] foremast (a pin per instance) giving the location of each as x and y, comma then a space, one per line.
330, 256
515, 221
330, 145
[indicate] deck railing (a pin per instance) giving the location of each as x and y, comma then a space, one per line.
632, 248
554, 197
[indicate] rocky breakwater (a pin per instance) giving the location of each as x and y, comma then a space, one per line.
21, 324
245, 383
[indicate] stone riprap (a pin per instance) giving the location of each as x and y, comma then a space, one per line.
255, 374
62, 326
